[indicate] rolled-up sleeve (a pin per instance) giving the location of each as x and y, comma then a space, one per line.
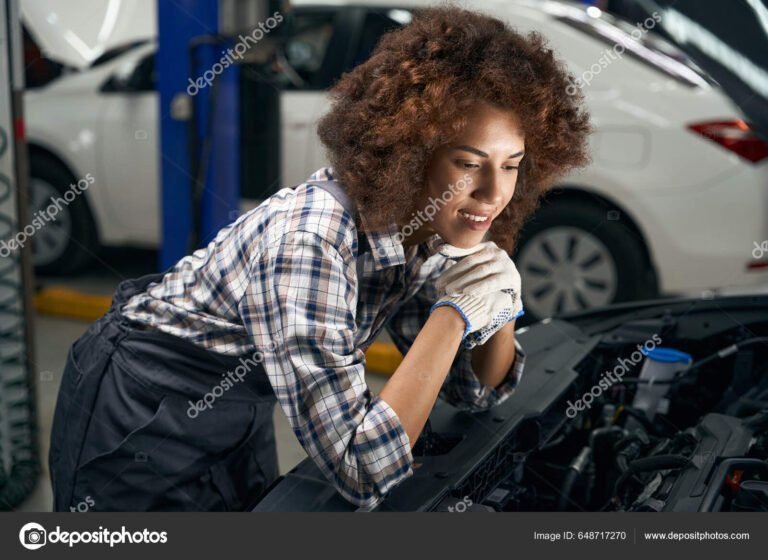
462, 388
300, 303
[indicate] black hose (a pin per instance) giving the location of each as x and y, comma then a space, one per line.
566, 488
724, 352
656, 463
575, 470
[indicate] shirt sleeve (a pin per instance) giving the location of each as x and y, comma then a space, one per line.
462, 388
301, 305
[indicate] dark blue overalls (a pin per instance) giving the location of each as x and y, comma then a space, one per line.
125, 437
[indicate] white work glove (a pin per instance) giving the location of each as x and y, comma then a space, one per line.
484, 286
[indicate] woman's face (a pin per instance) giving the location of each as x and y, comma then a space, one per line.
470, 181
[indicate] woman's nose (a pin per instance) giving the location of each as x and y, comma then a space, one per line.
490, 189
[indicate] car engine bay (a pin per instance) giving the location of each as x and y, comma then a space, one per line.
577, 436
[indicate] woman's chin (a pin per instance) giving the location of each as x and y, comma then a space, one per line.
463, 241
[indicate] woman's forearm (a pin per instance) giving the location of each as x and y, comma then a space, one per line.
413, 388
492, 361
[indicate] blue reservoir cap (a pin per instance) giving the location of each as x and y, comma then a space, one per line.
669, 356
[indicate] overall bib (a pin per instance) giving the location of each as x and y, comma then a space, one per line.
132, 431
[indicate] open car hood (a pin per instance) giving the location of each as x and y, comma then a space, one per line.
729, 40
77, 32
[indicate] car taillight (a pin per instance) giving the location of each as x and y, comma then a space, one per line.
735, 135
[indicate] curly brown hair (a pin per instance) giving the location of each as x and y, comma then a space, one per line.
410, 97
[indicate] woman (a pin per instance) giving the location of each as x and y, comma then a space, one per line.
441, 145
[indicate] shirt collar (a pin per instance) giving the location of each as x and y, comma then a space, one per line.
385, 242
387, 248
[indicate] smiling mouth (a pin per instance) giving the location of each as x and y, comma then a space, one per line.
479, 217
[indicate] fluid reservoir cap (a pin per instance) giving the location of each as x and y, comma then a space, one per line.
669, 356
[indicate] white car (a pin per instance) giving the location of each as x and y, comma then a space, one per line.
674, 201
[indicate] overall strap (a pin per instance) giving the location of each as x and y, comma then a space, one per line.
340, 194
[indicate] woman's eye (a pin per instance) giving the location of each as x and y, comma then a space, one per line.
470, 165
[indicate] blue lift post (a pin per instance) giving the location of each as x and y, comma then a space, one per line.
180, 25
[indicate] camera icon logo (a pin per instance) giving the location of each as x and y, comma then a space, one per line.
32, 536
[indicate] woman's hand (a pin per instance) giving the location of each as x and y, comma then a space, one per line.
487, 269
482, 285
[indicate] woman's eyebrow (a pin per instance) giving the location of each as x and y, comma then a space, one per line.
483, 154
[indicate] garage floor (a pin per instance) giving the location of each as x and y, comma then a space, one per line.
53, 337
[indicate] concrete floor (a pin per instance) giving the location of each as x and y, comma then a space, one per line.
53, 337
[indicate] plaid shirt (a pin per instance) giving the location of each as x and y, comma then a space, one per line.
286, 271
